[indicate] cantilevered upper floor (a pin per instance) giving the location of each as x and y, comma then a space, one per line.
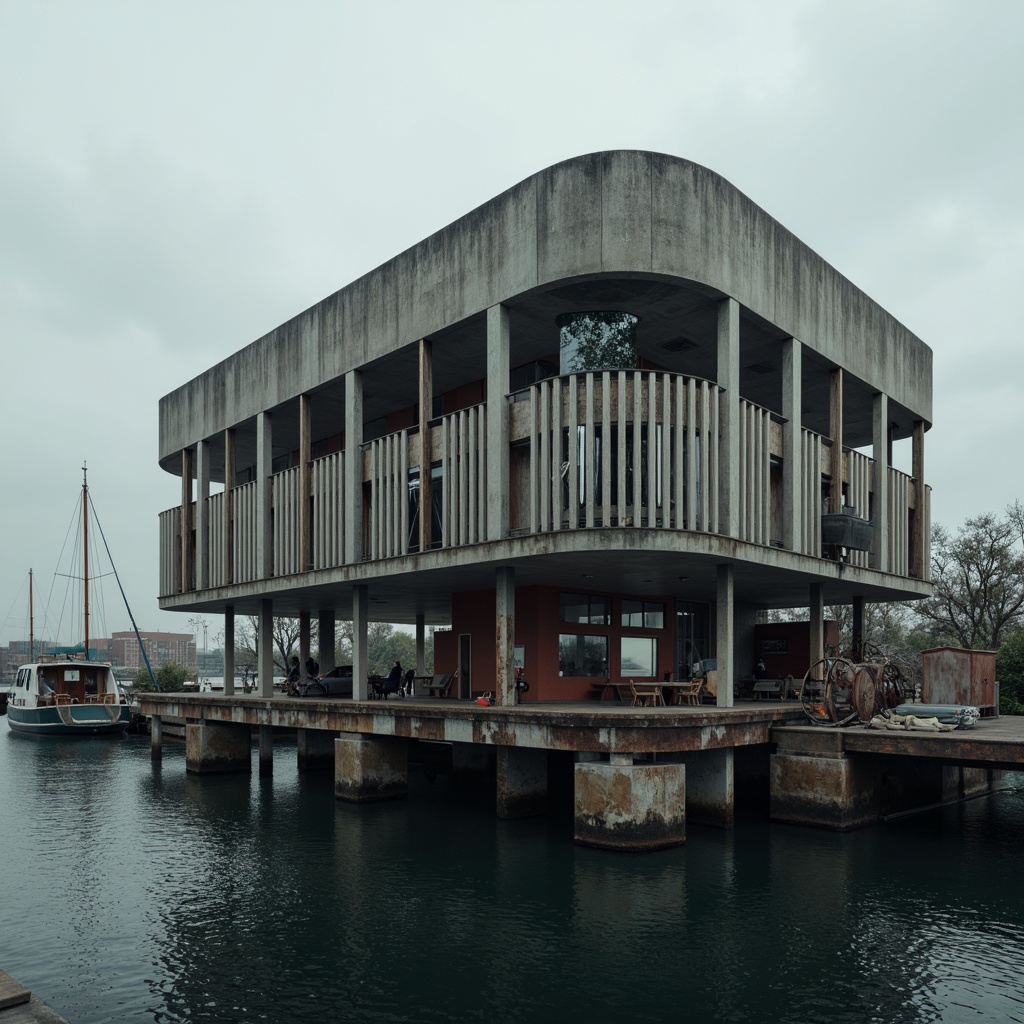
755, 398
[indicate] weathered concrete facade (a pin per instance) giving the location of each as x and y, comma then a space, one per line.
423, 437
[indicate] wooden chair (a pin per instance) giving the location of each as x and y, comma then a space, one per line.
441, 685
692, 695
647, 698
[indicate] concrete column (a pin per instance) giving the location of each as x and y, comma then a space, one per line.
880, 449
426, 406
229, 506
917, 521
370, 768
188, 565
835, 430
217, 748
354, 466
728, 377
725, 635
830, 791
229, 650
304, 638
857, 646
497, 422
817, 622
710, 787
630, 806
156, 737
522, 790
266, 736
327, 638
360, 663
305, 484
265, 654
792, 478
202, 515
505, 625
315, 749
421, 644
471, 766
264, 497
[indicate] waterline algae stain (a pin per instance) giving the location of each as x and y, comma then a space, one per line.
133, 891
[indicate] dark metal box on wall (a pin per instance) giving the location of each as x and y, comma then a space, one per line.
954, 675
846, 529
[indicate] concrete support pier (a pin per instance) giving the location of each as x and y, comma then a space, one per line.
315, 749
156, 737
710, 787
829, 790
217, 748
266, 750
370, 768
816, 781
471, 766
522, 790
630, 806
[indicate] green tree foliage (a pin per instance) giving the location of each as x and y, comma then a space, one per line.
384, 645
597, 341
978, 577
1010, 673
141, 681
169, 676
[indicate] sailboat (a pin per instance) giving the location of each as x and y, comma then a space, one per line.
68, 695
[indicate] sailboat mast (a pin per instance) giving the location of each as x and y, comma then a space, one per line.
31, 622
85, 555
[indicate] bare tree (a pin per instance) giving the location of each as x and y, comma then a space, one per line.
285, 641
978, 576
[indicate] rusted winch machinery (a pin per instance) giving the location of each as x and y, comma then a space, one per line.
839, 690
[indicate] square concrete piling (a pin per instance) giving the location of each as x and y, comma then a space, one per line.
630, 806
370, 768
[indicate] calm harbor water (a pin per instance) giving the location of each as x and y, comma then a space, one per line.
133, 893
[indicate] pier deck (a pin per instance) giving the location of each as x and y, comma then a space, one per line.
996, 743
598, 726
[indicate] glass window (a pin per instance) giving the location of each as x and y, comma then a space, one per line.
582, 655
643, 615
639, 656
585, 609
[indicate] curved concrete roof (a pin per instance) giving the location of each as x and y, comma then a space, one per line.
623, 213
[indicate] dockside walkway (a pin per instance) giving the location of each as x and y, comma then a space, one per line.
638, 772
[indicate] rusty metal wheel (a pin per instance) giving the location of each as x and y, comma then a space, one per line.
839, 692
892, 687
827, 692
812, 692
866, 691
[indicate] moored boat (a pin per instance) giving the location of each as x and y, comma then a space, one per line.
67, 697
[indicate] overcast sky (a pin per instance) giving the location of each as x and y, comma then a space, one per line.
176, 179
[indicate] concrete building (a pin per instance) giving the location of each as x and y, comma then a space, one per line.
648, 412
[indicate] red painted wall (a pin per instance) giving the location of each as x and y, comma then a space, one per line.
537, 629
796, 660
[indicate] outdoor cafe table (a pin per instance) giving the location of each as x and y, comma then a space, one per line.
671, 690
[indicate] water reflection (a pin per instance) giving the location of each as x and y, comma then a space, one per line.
173, 898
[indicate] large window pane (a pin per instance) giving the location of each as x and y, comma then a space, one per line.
643, 615
639, 656
585, 609
580, 655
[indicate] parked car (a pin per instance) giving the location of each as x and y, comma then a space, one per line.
336, 683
